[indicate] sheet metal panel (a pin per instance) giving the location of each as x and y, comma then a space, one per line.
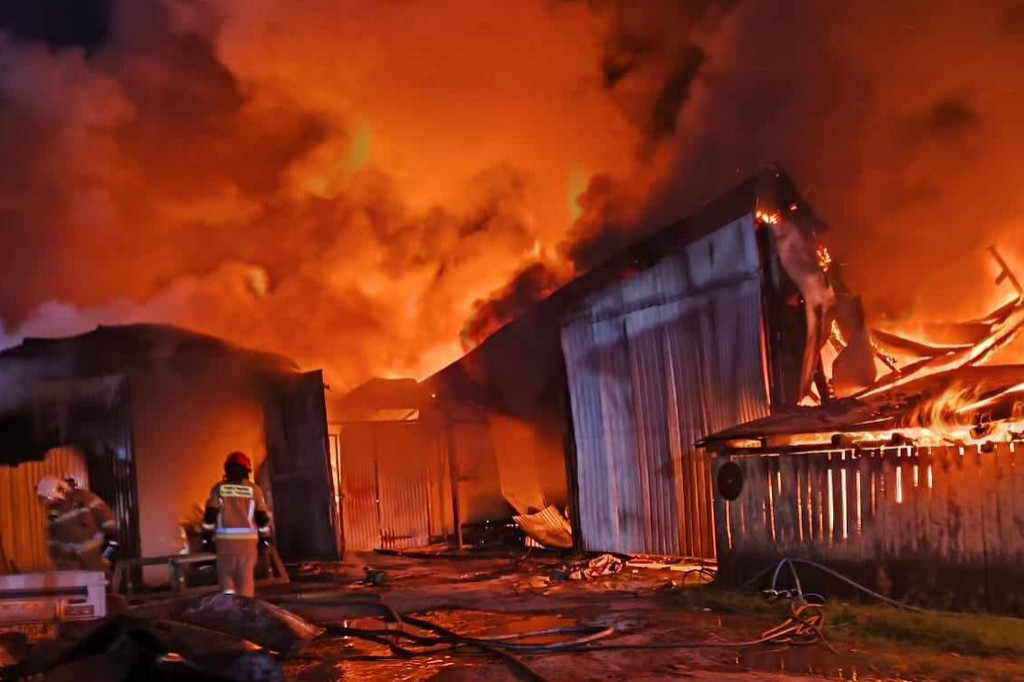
95, 414
937, 524
439, 488
22, 517
594, 513
359, 501
402, 473
305, 514
647, 383
395, 485
725, 254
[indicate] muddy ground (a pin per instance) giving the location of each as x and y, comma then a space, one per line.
497, 596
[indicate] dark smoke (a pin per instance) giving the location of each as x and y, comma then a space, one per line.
332, 181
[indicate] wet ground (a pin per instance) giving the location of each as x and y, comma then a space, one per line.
497, 596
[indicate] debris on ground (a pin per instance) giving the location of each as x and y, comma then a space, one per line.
217, 637
694, 571
127, 648
269, 626
374, 577
548, 528
604, 565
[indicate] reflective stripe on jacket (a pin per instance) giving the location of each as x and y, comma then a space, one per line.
238, 504
78, 523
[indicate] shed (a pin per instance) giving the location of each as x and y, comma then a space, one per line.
913, 491
710, 322
152, 411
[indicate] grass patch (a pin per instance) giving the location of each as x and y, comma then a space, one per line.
934, 644
965, 634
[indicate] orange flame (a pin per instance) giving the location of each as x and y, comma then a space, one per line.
824, 257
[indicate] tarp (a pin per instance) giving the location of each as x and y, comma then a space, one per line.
547, 527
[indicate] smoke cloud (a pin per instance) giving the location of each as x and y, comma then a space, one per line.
357, 184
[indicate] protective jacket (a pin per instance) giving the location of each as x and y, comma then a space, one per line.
237, 510
78, 527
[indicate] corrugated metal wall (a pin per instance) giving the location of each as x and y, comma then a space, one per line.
934, 518
394, 482
95, 413
403, 470
654, 364
22, 516
360, 516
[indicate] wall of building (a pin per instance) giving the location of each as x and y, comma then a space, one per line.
655, 363
184, 426
192, 401
530, 457
942, 526
23, 520
395, 484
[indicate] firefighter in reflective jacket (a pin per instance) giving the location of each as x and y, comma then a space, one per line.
237, 517
80, 526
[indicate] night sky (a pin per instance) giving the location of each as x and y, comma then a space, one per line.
57, 23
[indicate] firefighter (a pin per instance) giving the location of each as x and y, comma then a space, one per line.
81, 529
238, 520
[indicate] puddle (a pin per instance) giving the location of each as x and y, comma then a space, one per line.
343, 659
811, 660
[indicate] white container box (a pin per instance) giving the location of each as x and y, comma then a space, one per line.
51, 598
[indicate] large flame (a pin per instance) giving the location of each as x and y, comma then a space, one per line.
349, 182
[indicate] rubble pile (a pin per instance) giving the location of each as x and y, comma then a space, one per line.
220, 637
598, 567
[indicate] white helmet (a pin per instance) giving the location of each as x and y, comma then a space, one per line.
52, 489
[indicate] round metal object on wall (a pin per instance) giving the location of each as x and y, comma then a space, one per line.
730, 481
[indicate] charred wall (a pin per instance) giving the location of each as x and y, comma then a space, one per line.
940, 526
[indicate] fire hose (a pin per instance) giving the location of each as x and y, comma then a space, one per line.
797, 593
803, 627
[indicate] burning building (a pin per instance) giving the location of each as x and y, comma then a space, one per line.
144, 415
595, 396
910, 484
391, 465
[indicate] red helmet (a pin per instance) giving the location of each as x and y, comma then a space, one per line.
239, 459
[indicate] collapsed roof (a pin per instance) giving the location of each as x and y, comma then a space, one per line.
968, 405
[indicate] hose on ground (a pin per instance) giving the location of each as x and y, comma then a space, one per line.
798, 594
804, 626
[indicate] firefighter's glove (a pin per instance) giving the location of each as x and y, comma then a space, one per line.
111, 549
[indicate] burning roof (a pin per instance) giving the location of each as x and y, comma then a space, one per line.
939, 396
964, 406
516, 365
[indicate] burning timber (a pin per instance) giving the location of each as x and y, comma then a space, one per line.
910, 483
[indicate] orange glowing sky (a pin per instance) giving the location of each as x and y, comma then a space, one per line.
343, 181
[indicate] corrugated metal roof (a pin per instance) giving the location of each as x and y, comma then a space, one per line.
105, 343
